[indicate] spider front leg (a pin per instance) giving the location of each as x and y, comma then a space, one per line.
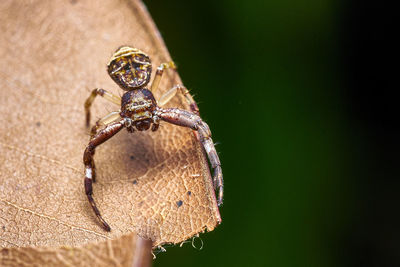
99, 138
191, 120
101, 92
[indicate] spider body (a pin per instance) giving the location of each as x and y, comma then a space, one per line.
137, 107
131, 69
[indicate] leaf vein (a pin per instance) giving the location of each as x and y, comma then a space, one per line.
53, 219
39, 156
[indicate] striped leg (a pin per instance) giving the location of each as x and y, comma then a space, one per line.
166, 97
191, 120
99, 138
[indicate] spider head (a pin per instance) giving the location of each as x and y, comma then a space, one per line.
130, 68
138, 105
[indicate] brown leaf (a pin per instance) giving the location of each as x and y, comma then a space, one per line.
123, 251
53, 54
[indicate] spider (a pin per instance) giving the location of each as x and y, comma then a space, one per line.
131, 68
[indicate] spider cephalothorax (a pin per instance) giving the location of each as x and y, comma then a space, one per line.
130, 68
138, 106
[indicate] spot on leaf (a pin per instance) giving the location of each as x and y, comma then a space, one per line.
179, 203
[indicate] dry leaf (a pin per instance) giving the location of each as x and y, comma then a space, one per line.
123, 251
53, 54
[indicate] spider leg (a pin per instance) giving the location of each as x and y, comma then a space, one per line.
159, 73
99, 138
101, 92
191, 120
109, 118
166, 97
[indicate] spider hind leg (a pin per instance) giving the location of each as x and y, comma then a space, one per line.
159, 74
101, 92
167, 96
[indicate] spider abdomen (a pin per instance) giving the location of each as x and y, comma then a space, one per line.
130, 68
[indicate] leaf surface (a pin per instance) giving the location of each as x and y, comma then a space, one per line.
128, 250
54, 53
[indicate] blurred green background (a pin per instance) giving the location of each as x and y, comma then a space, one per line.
298, 97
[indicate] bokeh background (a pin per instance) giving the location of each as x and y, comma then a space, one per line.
301, 98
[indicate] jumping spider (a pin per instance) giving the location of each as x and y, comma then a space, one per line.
130, 68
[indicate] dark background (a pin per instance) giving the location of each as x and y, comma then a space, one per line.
301, 98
